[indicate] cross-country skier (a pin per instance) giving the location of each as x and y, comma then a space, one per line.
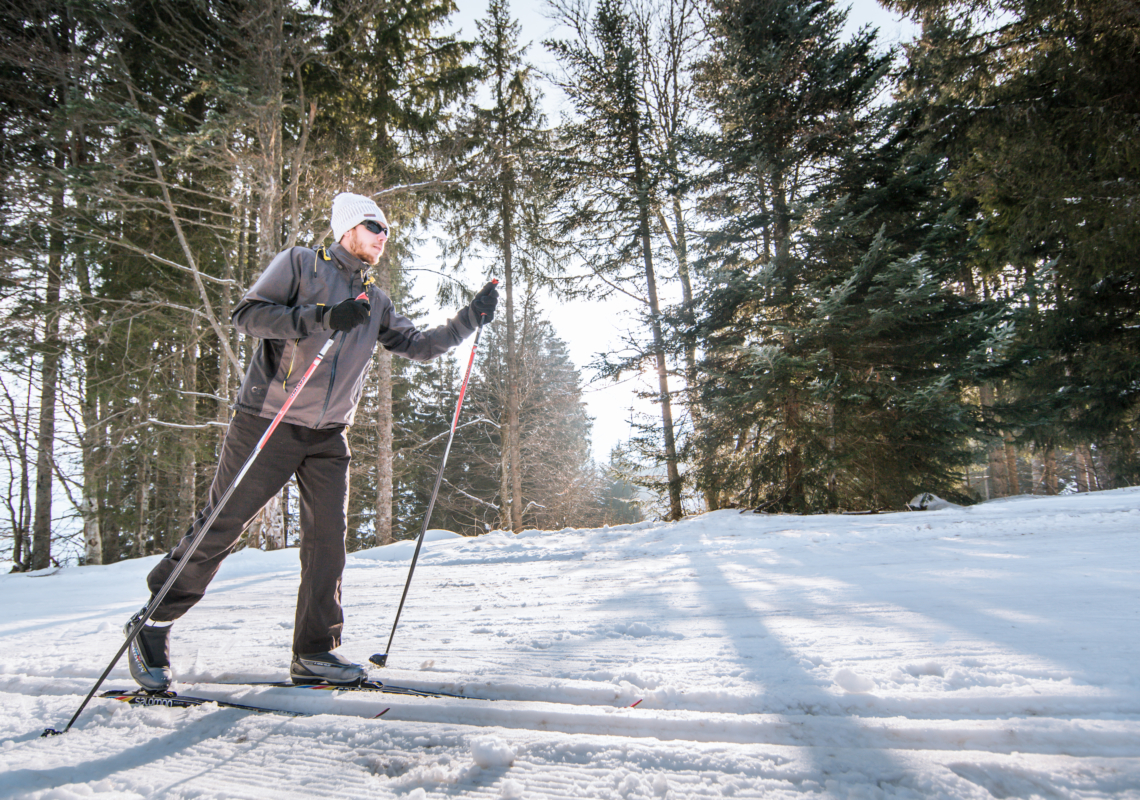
303, 297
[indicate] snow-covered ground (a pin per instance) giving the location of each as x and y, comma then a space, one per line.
982, 652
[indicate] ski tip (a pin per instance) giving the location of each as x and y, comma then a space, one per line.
379, 659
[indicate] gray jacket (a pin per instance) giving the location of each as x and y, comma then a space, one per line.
285, 310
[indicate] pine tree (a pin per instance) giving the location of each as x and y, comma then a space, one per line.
505, 209
1036, 112
612, 186
788, 98
898, 343
389, 96
559, 481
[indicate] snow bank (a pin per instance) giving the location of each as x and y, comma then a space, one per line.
402, 551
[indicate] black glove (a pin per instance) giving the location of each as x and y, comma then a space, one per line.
484, 303
347, 314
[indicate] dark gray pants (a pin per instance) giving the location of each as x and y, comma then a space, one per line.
320, 460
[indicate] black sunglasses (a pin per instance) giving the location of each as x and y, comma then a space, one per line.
375, 227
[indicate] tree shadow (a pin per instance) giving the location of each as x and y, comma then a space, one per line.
143, 754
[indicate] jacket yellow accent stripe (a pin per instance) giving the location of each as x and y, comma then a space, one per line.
288, 372
323, 254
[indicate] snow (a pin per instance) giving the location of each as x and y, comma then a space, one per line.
930, 502
987, 651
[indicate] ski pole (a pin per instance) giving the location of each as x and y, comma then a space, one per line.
182, 562
381, 659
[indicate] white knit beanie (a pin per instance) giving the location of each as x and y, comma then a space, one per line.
349, 210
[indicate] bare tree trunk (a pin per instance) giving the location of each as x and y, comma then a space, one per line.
188, 494
1013, 484
273, 523
297, 168
997, 465
681, 250
271, 66
505, 478
45, 440
669, 34
20, 512
1086, 477
1103, 469
671, 469
514, 438
143, 501
1037, 472
1051, 483
22, 559
285, 516
225, 368
384, 436
245, 268
997, 482
91, 444
268, 529
92, 438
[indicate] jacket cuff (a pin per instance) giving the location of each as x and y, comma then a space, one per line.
315, 316
472, 319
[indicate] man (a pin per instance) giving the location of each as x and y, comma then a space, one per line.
303, 297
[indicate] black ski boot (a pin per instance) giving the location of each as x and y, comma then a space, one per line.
326, 668
149, 654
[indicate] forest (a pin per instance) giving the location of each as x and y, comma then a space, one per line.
863, 270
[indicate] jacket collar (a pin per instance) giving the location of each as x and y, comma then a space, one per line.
345, 260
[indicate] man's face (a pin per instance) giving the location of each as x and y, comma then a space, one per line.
364, 244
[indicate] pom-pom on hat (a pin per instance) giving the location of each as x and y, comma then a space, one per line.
349, 210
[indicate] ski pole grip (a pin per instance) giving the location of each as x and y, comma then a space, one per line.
494, 282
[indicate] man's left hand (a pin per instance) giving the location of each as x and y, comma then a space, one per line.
484, 303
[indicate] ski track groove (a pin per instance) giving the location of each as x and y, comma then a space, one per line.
1036, 735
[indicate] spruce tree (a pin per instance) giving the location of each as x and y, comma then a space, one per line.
612, 188
789, 100
898, 342
505, 211
561, 485
1036, 112
389, 92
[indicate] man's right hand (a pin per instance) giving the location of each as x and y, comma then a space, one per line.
347, 314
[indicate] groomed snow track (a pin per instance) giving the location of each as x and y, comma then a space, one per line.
974, 653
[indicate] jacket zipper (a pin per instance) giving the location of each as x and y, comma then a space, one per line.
332, 381
332, 372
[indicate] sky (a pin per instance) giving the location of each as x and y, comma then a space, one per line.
589, 327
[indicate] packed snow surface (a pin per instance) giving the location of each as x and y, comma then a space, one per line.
979, 652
